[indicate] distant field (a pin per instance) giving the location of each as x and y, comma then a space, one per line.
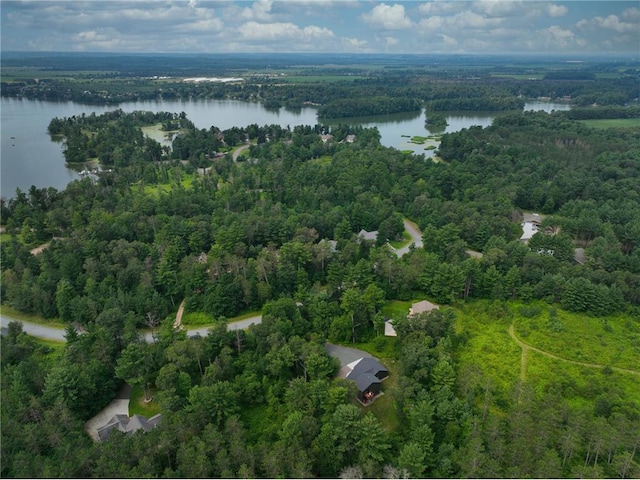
320, 78
613, 123
531, 76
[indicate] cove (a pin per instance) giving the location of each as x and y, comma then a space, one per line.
30, 157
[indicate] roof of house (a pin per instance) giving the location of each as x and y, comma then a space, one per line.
365, 380
423, 306
368, 235
365, 365
128, 425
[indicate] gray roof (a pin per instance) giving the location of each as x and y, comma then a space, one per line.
125, 424
365, 380
366, 366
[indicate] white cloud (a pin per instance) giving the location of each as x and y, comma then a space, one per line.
391, 41
389, 17
611, 22
498, 8
441, 6
632, 15
556, 37
556, 10
473, 20
431, 24
260, 10
354, 44
281, 30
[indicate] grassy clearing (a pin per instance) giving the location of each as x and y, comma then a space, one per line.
612, 341
26, 317
138, 405
406, 239
185, 182
487, 350
203, 319
324, 160
613, 123
488, 347
581, 386
397, 308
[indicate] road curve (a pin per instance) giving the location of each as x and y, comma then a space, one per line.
416, 237
53, 333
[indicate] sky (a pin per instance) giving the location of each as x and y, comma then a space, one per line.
322, 26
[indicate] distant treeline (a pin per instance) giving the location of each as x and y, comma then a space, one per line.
482, 103
363, 106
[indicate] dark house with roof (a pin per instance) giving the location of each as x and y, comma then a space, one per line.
128, 425
367, 373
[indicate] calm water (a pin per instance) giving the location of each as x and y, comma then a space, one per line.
30, 157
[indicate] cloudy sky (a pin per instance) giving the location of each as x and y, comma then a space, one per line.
441, 26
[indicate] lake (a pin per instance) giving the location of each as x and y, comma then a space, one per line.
30, 157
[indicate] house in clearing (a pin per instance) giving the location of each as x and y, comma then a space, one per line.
128, 425
370, 236
421, 307
367, 373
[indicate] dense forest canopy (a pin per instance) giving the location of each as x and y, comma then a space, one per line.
266, 219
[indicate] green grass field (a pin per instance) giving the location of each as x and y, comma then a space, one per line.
613, 123
613, 341
406, 239
138, 405
496, 360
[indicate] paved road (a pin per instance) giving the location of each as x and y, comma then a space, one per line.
416, 237
53, 333
41, 331
345, 355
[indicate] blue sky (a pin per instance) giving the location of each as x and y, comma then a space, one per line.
441, 26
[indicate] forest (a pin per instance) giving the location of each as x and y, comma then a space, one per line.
128, 245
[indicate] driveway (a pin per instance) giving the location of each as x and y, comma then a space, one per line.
345, 355
416, 237
117, 406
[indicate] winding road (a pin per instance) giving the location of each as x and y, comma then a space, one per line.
57, 334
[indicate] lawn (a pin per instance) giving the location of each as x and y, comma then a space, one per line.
612, 123
138, 405
202, 319
186, 182
406, 239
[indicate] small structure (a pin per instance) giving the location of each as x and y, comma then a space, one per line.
350, 138
367, 373
421, 307
128, 425
579, 256
370, 236
389, 331
326, 137
531, 223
